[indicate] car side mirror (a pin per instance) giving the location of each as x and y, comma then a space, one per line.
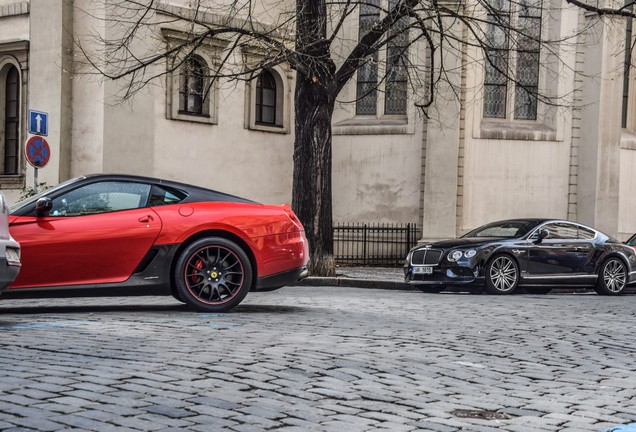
543, 233
43, 206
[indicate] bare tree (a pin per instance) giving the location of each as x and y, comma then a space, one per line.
308, 35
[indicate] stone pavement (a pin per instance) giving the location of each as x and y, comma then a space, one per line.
320, 358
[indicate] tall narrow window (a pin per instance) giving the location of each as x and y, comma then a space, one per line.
527, 77
12, 122
396, 60
367, 83
266, 99
512, 26
627, 67
192, 91
495, 82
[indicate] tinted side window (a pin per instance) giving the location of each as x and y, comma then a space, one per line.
562, 231
102, 197
164, 196
586, 234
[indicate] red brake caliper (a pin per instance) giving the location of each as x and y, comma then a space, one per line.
194, 276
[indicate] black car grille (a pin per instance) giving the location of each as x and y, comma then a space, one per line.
426, 257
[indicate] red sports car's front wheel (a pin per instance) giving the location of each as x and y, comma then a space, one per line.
213, 274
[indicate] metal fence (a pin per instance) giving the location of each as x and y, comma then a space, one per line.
373, 244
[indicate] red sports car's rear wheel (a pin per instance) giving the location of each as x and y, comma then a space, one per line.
213, 274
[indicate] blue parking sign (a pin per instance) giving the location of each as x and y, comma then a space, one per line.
38, 123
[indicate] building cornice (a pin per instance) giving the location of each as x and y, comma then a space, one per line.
14, 9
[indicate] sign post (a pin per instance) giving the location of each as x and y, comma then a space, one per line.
37, 149
38, 154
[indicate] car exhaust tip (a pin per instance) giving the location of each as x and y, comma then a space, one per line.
303, 273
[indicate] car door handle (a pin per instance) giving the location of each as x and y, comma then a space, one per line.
146, 219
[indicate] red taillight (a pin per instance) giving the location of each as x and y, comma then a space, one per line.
293, 217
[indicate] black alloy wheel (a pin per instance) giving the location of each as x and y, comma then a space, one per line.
213, 274
502, 275
612, 278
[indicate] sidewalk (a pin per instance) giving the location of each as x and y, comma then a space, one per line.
362, 277
393, 278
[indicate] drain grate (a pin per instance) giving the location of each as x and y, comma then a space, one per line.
480, 414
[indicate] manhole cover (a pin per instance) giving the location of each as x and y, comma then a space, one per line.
480, 414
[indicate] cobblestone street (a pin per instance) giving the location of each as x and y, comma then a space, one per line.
316, 358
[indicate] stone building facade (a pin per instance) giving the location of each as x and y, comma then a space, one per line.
483, 156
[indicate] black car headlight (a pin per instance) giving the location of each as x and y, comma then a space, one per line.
458, 254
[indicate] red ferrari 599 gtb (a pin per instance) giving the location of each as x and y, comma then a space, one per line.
130, 235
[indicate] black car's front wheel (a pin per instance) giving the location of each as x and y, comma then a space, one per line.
612, 278
213, 274
502, 275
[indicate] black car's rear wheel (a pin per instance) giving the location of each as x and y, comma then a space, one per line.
502, 275
213, 274
612, 278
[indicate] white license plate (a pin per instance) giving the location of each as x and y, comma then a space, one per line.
12, 256
423, 270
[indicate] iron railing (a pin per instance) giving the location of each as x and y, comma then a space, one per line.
373, 244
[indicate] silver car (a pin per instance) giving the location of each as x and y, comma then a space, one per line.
9, 249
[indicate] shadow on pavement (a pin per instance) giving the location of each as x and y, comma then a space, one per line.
7, 309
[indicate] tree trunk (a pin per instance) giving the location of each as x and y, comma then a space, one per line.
316, 91
312, 170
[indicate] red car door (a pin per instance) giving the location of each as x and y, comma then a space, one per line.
85, 249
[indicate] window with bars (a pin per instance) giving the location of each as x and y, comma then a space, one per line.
367, 83
397, 60
511, 80
192, 89
395, 83
11, 122
266, 99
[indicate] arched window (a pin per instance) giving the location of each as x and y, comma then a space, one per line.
11, 121
193, 91
266, 99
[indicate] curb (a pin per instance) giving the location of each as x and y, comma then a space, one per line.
356, 283
390, 285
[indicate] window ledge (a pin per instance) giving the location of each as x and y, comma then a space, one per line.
374, 126
516, 131
192, 114
11, 181
273, 128
195, 118
628, 140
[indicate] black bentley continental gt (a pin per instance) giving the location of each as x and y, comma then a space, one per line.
536, 254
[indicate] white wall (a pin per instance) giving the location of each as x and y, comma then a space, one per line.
508, 179
227, 157
627, 202
377, 178
136, 137
14, 28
